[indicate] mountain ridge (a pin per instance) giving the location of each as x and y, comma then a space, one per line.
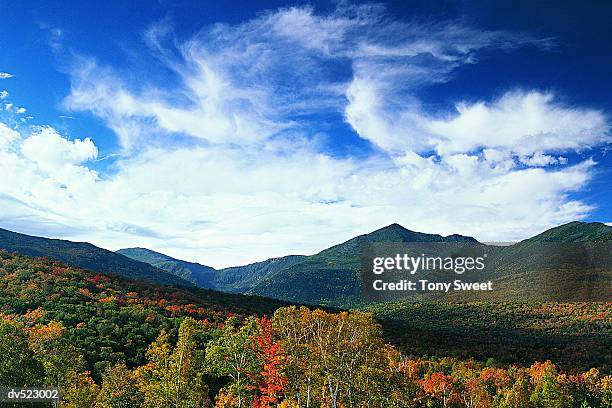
196, 273
575, 231
332, 276
85, 255
524, 270
254, 277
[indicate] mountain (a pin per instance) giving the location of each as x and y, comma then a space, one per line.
200, 275
86, 256
242, 278
236, 279
572, 262
576, 232
332, 277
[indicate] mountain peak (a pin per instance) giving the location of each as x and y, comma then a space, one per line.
393, 227
143, 252
396, 232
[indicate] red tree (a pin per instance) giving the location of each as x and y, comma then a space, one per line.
269, 380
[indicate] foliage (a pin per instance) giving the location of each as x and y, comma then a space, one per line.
173, 376
229, 355
105, 319
306, 358
576, 335
196, 352
269, 380
18, 365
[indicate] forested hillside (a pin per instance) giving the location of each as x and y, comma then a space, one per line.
237, 279
112, 342
569, 263
85, 255
241, 279
107, 318
201, 275
574, 335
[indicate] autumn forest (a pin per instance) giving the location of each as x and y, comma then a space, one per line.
112, 342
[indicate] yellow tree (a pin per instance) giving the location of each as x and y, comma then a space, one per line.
80, 391
172, 377
119, 389
333, 358
293, 326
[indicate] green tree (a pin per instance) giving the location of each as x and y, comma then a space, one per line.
229, 355
18, 364
550, 394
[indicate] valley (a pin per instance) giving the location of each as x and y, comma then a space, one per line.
87, 325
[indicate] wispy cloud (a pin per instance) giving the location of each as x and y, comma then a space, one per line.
5, 75
53, 35
245, 83
518, 123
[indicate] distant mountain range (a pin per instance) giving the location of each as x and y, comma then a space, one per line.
333, 276
200, 275
569, 262
86, 256
239, 279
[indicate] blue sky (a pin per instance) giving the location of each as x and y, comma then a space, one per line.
229, 133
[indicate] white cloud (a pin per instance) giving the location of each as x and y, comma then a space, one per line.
538, 159
523, 123
4, 94
229, 167
5, 75
212, 110
226, 206
7, 136
43, 180
245, 83
49, 150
